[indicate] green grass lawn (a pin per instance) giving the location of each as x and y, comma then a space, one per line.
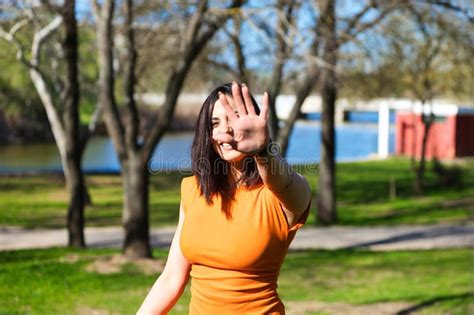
362, 194
60, 281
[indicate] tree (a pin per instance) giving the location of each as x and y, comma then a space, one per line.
319, 70
134, 150
423, 53
327, 171
65, 122
285, 18
324, 52
384, 63
424, 47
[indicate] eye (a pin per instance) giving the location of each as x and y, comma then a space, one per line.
214, 124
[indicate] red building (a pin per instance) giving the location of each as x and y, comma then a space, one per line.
451, 135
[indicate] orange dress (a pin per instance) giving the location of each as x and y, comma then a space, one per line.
235, 262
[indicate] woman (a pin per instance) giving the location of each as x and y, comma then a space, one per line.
239, 213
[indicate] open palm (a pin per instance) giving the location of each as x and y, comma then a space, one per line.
250, 131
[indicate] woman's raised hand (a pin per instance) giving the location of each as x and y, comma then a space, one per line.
250, 131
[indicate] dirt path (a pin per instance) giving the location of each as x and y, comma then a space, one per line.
375, 238
305, 307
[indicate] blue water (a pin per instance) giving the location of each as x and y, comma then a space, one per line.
313, 116
353, 142
366, 116
355, 116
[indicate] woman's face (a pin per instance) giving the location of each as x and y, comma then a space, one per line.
221, 124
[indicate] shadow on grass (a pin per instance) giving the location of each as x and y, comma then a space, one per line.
428, 303
52, 221
406, 211
363, 189
168, 182
427, 233
422, 209
33, 184
417, 262
370, 182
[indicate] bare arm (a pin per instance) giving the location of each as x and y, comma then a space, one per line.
170, 284
291, 188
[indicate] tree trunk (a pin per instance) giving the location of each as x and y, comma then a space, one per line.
74, 178
75, 214
134, 151
311, 77
301, 95
420, 171
135, 210
285, 16
65, 130
326, 200
238, 50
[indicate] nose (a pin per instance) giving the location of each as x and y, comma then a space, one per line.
225, 127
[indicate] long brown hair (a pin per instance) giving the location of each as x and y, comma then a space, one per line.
209, 168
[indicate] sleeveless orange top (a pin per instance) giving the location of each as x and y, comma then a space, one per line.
235, 262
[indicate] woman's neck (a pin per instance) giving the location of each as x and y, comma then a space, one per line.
236, 170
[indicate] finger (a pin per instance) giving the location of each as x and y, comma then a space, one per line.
228, 109
265, 106
223, 137
248, 100
239, 102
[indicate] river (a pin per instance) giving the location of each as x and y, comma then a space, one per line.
353, 142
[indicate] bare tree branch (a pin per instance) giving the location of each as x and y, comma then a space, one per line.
40, 37
285, 16
18, 26
40, 82
195, 24
356, 19
358, 28
115, 127
177, 77
259, 29
234, 36
10, 36
95, 8
96, 116
288, 31
52, 7
223, 65
35, 73
448, 4
131, 128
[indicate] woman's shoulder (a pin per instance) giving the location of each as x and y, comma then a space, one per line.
188, 191
188, 182
189, 178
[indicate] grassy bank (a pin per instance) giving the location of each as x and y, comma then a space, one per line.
64, 281
363, 194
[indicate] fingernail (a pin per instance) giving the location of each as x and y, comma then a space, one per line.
243, 84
